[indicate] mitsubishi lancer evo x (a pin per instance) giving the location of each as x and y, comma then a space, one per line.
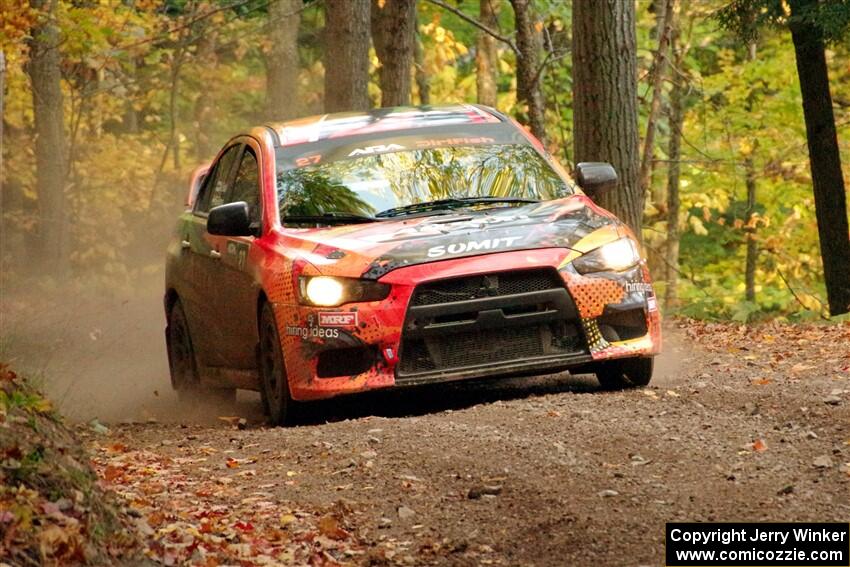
397, 247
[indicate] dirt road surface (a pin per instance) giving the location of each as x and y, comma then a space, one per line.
741, 424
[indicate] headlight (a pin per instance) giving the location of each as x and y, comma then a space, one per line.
326, 291
612, 257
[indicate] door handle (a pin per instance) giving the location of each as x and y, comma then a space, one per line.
185, 244
215, 254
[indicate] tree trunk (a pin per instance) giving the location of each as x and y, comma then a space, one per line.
825, 162
204, 112
605, 121
674, 154
282, 64
749, 230
346, 55
487, 55
45, 76
394, 36
423, 84
130, 118
2, 115
665, 17
529, 99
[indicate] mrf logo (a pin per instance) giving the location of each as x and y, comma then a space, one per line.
338, 319
472, 246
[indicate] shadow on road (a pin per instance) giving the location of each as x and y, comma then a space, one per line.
423, 400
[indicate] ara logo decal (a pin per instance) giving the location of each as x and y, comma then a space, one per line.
472, 246
369, 150
338, 319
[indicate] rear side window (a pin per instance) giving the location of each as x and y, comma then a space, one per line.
246, 186
215, 188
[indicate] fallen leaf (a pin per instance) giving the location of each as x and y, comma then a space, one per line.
329, 527
759, 446
111, 473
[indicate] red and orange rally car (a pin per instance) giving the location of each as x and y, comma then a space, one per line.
349, 252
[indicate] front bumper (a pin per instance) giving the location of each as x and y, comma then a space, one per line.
471, 318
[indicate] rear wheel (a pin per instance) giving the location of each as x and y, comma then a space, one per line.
274, 386
625, 373
183, 366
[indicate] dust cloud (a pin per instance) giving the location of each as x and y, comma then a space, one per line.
94, 355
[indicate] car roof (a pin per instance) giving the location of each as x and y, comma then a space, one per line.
346, 124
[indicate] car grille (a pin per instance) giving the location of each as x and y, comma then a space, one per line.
506, 283
488, 321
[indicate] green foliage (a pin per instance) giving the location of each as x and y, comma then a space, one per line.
747, 17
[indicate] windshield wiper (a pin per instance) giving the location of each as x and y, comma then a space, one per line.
450, 204
329, 218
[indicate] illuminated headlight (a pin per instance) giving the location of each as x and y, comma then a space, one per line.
612, 257
326, 291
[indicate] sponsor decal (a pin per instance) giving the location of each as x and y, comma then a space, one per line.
381, 148
312, 332
651, 303
641, 287
308, 160
338, 319
439, 142
237, 253
472, 246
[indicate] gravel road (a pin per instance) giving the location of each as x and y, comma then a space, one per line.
741, 424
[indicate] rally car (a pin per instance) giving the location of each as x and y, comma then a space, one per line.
397, 247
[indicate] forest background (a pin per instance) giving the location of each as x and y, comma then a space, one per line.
145, 90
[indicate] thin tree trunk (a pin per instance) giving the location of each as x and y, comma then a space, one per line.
346, 55
674, 153
423, 84
487, 55
529, 98
750, 228
174, 139
605, 121
394, 36
752, 245
130, 118
282, 65
825, 161
45, 76
666, 8
4, 190
2, 115
204, 115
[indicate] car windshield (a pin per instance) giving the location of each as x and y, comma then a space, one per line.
457, 176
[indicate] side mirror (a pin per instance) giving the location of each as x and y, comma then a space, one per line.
232, 219
596, 178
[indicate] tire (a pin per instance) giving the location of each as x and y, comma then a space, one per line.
183, 365
274, 386
625, 373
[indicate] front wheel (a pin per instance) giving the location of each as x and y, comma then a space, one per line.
625, 373
274, 386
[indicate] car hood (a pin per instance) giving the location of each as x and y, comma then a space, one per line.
372, 250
